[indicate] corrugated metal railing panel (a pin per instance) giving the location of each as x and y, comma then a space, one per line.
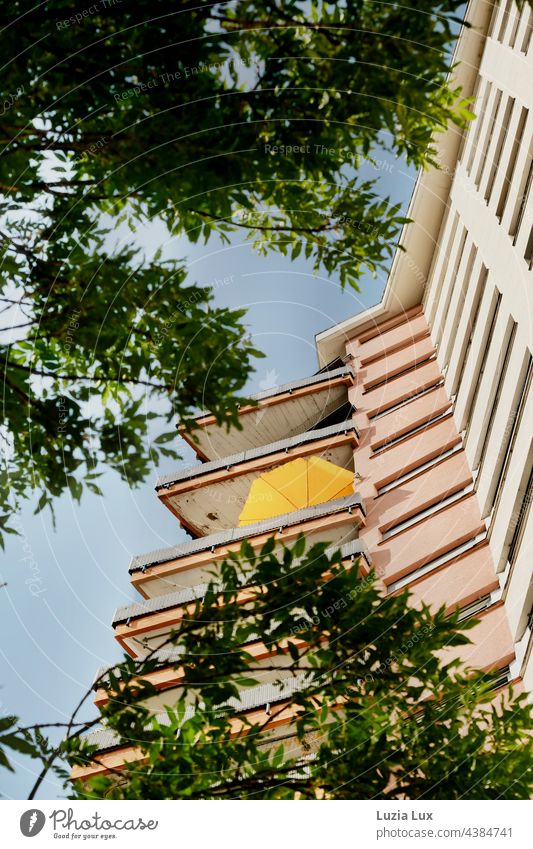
301, 383
163, 656
213, 541
249, 699
175, 599
159, 603
253, 453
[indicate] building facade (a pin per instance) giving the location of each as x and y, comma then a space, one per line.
425, 399
467, 267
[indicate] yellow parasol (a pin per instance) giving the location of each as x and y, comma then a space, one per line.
300, 483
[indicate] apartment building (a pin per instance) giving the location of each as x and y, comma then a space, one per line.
466, 274
424, 401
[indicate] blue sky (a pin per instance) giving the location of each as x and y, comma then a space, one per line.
64, 584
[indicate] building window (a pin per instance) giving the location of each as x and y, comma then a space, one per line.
493, 314
499, 147
426, 513
439, 561
389, 378
488, 137
505, 20
398, 405
511, 432
471, 326
521, 204
493, 18
529, 623
519, 520
447, 293
528, 254
447, 241
409, 433
497, 395
475, 607
453, 320
516, 16
478, 124
512, 163
529, 29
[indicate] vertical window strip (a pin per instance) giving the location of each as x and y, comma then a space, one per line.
492, 323
452, 321
497, 395
528, 253
520, 521
465, 137
505, 19
511, 165
488, 137
476, 303
493, 18
478, 125
445, 251
530, 618
529, 29
521, 204
511, 432
516, 15
446, 295
504, 127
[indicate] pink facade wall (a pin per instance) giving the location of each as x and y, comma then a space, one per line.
458, 582
420, 411
405, 421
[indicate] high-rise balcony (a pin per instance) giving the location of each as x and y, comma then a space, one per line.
144, 626
281, 412
169, 569
262, 705
210, 497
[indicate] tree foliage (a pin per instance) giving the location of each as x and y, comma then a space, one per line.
383, 708
250, 117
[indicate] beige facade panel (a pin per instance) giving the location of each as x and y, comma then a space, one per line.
468, 260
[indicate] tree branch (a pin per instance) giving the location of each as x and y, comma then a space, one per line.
16, 326
321, 229
86, 378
